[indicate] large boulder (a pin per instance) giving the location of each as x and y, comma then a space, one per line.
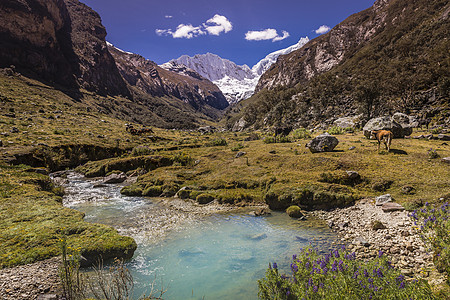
323, 143
348, 122
399, 125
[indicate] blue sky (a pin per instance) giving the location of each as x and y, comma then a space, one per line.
243, 31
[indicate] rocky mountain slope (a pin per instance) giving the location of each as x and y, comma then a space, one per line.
62, 43
393, 56
236, 82
175, 81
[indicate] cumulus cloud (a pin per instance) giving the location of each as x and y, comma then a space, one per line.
183, 31
214, 26
266, 34
218, 24
323, 29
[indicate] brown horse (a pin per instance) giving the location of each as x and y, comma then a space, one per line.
382, 135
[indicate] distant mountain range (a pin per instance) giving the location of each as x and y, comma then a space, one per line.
236, 82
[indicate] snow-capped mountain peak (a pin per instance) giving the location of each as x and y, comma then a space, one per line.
236, 82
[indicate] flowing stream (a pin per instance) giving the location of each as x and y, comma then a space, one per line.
196, 255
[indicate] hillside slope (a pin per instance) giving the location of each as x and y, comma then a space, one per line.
393, 56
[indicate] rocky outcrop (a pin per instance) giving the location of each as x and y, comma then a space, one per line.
59, 41
323, 143
175, 81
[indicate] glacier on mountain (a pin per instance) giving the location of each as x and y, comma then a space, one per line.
236, 82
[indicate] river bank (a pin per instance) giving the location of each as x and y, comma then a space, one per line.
366, 229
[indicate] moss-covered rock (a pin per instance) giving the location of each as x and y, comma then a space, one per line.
204, 198
152, 191
132, 190
310, 197
294, 212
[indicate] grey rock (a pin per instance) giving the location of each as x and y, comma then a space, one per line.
352, 148
323, 143
446, 160
380, 200
391, 206
239, 154
397, 124
115, 178
206, 129
353, 175
443, 137
239, 125
260, 212
362, 241
348, 122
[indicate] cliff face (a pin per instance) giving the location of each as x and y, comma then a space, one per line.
175, 80
59, 41
323, 53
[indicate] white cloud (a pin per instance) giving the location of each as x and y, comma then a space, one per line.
183, 31
168, 16
221, 23
323, 29
214, 26
266, 34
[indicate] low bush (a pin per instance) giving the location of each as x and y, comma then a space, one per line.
142, 150
218, 142
338, 275
301, 133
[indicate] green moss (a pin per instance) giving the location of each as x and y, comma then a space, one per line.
294, 212
152, 191
32, 221
132, 190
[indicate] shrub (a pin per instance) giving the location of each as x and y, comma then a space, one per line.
142, 150
335, 130
294, 211
269, 140
338, 275
435, 224
218, 142
237, 147
182, 159
432, 154
301, 133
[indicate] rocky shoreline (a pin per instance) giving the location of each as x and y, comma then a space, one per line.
38, 281
366, 229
